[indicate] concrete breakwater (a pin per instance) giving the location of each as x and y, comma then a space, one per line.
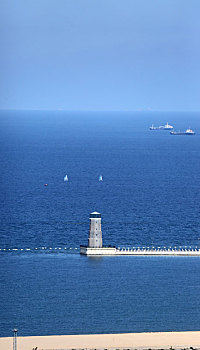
157, 251
113, 251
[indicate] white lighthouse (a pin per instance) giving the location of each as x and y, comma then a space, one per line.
95, 245
95, 233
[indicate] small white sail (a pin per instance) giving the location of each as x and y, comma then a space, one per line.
100, 178
66, 178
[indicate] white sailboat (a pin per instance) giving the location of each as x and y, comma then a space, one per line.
100, 178
66, 178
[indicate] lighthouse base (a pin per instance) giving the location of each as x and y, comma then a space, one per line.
98, 251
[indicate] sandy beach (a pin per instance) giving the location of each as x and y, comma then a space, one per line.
107, 341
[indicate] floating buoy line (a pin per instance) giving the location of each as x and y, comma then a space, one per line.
36, 249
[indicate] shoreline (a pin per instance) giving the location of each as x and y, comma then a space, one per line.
156, 340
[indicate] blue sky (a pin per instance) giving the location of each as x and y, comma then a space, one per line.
100, 54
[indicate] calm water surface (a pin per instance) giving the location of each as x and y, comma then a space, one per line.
150, 196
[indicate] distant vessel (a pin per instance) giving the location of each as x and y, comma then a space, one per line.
187, 132
45, 184
66, 178
152, 127
100, 178
161, 127
168, 127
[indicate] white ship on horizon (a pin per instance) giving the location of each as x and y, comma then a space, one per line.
167, 127
162, 127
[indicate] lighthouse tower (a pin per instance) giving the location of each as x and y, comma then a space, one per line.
95, 233
95, 245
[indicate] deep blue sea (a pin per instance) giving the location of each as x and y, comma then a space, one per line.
150, 196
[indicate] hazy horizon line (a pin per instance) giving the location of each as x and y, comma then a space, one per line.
96, 110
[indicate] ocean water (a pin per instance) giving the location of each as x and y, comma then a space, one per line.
150, 196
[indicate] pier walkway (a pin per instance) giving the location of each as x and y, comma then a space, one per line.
157, 251
113, 251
